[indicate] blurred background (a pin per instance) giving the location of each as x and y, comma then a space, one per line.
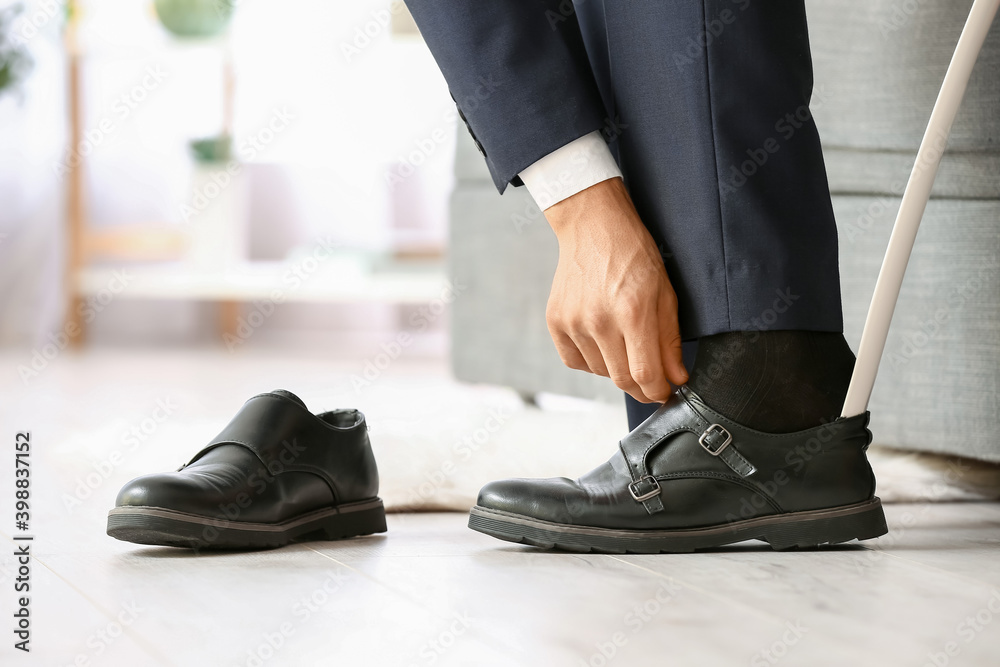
201, 200
205, 199
206, 144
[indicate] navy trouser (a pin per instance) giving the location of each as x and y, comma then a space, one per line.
705, 104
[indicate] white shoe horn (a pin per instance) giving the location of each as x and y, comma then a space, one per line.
911, 209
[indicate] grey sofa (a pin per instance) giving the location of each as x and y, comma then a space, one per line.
878, 68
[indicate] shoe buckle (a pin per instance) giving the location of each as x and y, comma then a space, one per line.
709, 439
633, 488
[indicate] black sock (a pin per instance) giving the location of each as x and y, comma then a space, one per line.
774, 381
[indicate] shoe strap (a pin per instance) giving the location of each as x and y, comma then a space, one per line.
672, 417
285, 437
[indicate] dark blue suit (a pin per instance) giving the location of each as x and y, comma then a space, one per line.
705, 104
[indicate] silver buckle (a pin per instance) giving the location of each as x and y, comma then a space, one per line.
717, 428
647, 495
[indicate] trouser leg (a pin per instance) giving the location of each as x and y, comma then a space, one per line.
710, 101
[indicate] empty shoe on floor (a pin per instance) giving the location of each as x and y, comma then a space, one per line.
276, 473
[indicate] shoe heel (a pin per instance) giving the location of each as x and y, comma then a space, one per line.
864, 524
353, 524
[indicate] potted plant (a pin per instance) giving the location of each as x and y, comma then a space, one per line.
14, 59
194, 18
215, 216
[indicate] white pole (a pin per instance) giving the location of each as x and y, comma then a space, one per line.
911, 209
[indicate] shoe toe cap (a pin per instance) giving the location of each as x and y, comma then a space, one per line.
159, 490
503, 495
553, 499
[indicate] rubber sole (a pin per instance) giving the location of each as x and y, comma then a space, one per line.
862, 521
163, 527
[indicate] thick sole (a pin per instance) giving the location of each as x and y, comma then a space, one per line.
163, 527
862, 521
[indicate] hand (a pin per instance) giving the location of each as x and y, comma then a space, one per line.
612, 310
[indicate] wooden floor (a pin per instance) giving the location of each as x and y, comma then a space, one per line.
432, 592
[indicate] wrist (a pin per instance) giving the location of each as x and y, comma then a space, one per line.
599, 204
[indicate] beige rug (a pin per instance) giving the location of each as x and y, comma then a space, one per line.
437, 441
443, 464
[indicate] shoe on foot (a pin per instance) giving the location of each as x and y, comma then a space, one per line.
276, 473
688, 478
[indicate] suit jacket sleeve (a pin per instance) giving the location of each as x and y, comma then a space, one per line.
519, 73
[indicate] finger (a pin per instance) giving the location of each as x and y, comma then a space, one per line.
637, 394
670, 340
644, 362
568, 352
612, 348
591, 353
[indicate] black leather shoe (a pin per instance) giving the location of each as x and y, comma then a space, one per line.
689, 478
275, 473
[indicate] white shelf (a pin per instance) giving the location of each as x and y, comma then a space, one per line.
333, 282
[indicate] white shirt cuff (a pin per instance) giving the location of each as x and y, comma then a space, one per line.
565, 171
